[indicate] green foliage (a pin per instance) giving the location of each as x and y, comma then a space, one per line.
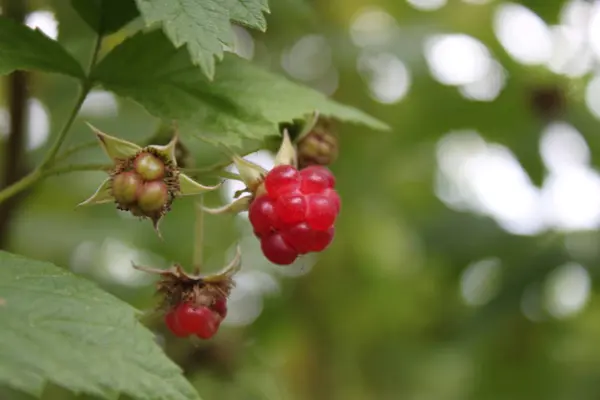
63, 329
204, 26
106, 16
243, 101
26, 49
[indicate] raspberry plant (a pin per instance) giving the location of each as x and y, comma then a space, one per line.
202, 92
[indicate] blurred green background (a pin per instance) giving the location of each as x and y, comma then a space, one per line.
466, 256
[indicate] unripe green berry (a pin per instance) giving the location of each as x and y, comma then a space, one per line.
153, 196
149, 166
125, 187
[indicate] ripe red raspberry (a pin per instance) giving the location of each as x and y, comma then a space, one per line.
262, 215
321, 212
173, 325
315, 179
188, 320
322, 239
304, 239
296, 215
334, 198
282, 179
291, 208
220, 306
277, 250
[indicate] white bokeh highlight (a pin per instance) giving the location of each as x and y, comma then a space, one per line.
523, 34
457, 59
388, 78
480, 281
45, 21
100, 103
38, 124
567, 290
427, 5
373, 26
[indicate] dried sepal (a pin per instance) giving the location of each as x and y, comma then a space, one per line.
189, 187
167, 151
235, 207
115, 148
287, 152
176, 286
251, 174
102, 195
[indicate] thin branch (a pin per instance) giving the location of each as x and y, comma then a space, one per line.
199, 236
14, 167
75, 149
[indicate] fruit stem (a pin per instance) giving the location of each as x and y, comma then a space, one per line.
75, 149
75, 168
199, 236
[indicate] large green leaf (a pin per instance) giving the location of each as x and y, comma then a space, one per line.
242, 101
204, 26
26, 49
63, 329
106, 16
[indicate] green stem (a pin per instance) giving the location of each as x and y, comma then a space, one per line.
40, 172
20, 185
49, 158
74, 149
75, 168
199, 236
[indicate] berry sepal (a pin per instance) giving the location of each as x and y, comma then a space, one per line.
253, 176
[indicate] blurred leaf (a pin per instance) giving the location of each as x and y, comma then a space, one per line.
26, 49
242, 101
204, 26
61, 328
106, 16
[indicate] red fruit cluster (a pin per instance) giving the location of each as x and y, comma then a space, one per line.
187, 319
297, 214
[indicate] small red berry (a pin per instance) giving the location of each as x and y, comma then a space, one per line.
277, 250
321, 212
262, 215
173, 325
281, 179
291, 208
300, 237
322, 239
315, 179
201, 321
149, 166
334, 197
220, 306
153, 196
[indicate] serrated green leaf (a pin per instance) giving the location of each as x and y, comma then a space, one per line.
106, 16
22, 48
60, 328
244, 101
204, 26
249, 13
